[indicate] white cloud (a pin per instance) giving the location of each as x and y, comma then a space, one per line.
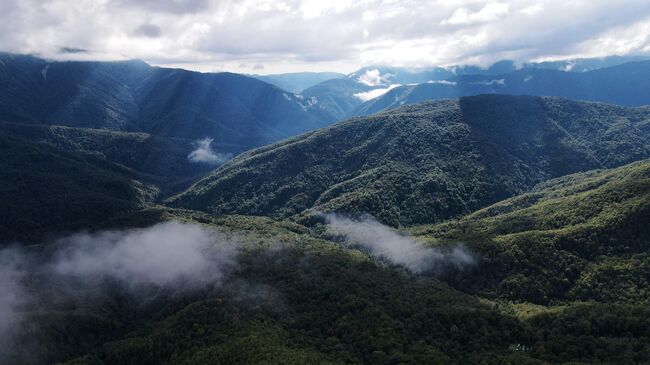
365, 96
490, 12
204, 153
491, 82
383, 242
443, 82
162, 255
533, 9
173, 256
341, 35
374, 78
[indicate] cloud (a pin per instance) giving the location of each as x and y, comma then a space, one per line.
341, 35
374, 77
169, 256
148, 30
443, 82
161, 255
385, 243
72, 50
490, 12
167, 6
204, 153
368, 95
490, 83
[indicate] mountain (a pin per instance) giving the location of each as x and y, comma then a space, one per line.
165, 158
557, 272
45, 190
626, 84
339, 96
425, 163
342, 98
585, 64
569, 65
497, 68
509, 229
386, 75
307, 300
578, 237
135, 97
296, 82
300, 295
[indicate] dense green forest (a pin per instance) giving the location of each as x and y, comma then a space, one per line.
546, 200
298, 295
150, 154
580, 237
425, 163
46, 190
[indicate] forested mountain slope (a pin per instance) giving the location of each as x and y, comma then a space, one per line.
296, 82
339, 96
299, 296
426, 163
626, 84
159, 156
578, 237
45, 190
133, 96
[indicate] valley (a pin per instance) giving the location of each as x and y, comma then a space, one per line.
162, 216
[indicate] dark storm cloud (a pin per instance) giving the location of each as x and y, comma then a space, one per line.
168, 6
72, 50
148, 30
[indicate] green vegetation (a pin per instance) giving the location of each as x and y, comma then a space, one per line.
579, 237
296, 298
425, 163
551, 196
143, 152
45, 190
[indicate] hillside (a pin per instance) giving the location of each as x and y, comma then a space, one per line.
45, 190
295, 297
374, 88
585, 64
336, 97
163, 157
578, 237
428, 162
135, 97
558, 274
340, 96
625, 84
296, 82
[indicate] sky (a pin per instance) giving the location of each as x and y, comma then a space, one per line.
263, 36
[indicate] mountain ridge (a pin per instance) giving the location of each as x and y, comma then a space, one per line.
624, 84
135, 97
460, 154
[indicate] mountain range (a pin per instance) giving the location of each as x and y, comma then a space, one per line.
237, 111
296, 82
162, 216
625, 84
428, 162
375, 88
